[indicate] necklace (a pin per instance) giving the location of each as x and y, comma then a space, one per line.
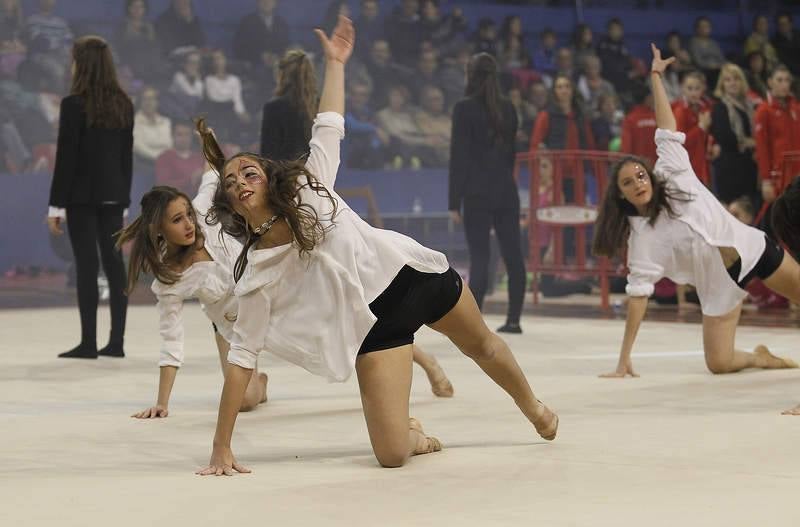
266, 226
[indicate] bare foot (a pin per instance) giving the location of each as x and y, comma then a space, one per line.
440, 384
425, 444
544, 420
793, 411
262, 378
769, 361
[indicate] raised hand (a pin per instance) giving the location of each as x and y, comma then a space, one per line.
340, 45
659, 65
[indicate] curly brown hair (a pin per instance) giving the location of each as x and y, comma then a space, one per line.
284, 181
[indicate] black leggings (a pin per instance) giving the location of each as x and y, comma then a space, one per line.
477, 225
91, 227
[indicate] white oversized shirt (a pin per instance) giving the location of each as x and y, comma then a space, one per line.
210, 282
685, 249
314, 311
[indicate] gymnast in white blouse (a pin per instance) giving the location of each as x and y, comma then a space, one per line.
323, 289
189, 259
674, 227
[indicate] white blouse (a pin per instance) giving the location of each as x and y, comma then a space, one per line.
181, 85
210, 282
314, 311
685, 248
228, 89
151, 138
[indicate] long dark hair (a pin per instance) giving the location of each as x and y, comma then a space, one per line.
612, 228
483, 84
284, 179
786, 217
297, 82
95, 78
149, 247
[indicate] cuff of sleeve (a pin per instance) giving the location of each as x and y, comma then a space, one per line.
169, 362
669, 135
57, 212
242, 357
332, 119
171, 356
209, 177
639, 289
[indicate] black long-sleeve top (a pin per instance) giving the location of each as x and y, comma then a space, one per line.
284, 131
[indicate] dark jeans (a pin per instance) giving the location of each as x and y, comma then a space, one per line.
91, 227
478, 222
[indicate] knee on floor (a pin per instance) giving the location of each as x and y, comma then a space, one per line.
392, 457
718, 367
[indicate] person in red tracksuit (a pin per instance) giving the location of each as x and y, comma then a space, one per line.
639, 128
693, 116
777, 130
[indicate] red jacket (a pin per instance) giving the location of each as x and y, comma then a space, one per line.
541, 130
696, 144
777, 131
638, 133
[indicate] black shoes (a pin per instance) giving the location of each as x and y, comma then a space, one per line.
509, 328
112, 350
79, 352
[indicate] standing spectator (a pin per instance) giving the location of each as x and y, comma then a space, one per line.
787, 43
482, 186
224, 96
178, 27
152, 132
562, 125
384, 71
544, 60
511, 49
777, 131
407, 144
693, 117
607, 125
137, 45
735, 171
188, 81
583, 45
639, 127
181, 166
757, 76
592, 85
259, 32
286, 120
615, 58
758, 41
404, 32
435, 123
365, 140
92, 181
48, 38
682, 64
485, 39
705, 51
370, 27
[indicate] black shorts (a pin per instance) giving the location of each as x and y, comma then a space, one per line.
215, 327
412, 300
769, 262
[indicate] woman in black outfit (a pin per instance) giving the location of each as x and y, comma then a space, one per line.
482, 182
92, 181
287, 119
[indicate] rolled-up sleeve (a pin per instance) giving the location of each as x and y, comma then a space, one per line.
673, 159
326, 136
643, 271
205, 194
170, 326
250, 329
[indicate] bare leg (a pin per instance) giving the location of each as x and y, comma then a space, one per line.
440, 384
257, 387
384, 379
719, 334
464, 326
786, 279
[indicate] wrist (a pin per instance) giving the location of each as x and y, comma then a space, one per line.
655, 72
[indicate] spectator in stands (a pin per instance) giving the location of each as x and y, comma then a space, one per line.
787, 43
757, 76
735, 171
485, 39
286, 120
563, 124
435, 124
444, 32
370, 27
705, 51
12, 49
758, 41
591, 85
682, 64
223, 100
178, 27
526, 114
427, 72
583, 45
259, 32
453, 80
607, 125
544, 59
332, 13
48, 38
565, 66
538, 96
693, 117
639, 127
181, 166
152, 132
404, 32
364, 141
615, 57
777, 131
187, 82
384, 71
407, 145
512, 53
137, 45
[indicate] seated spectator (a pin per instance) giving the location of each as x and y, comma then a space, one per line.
538, 96
693, 117
260, 31
485, 39
757, 75
223, 103
384, 72
136, 43
591, 85
682, 64
544, 59
435, 124
444, 32
427, 72
452, 78
12, 50
336, 8
181, 166
404, 32
639, 127
607, 124
565, 66
526, 113
705, 51
407, 144
758, 41
365, 141
512, 53
178, 27
615, 58
152, 132
787, 43
188, 81
48, 38
583, 45
370, 27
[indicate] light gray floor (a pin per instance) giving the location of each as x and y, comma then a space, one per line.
676, 447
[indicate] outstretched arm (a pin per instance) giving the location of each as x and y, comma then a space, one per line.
637, 307
338, 49
664, 116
